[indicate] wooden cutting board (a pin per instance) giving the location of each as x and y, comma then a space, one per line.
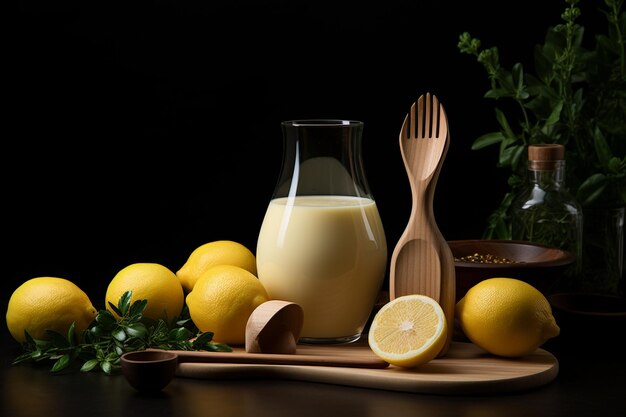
465, 369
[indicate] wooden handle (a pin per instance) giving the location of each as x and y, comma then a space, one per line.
357, 361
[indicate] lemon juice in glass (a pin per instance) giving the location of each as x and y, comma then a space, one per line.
322, 244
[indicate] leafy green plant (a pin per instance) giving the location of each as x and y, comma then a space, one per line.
576, 97
107, 338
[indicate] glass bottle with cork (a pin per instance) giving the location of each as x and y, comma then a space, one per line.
545, 212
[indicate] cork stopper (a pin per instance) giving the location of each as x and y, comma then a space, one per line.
545, 157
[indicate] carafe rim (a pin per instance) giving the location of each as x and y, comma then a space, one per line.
322, 122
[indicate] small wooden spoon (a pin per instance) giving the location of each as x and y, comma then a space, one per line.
272, 333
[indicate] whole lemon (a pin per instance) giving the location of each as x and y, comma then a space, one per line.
506, 317
48, 303
218, 252
223, 299
150, 281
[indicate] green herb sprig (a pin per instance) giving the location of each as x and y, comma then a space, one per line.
107, 338
576, 97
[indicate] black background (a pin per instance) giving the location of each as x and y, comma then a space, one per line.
137, 131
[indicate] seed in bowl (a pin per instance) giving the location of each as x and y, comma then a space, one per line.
486, 259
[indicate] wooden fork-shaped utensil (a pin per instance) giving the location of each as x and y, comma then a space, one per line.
422, 262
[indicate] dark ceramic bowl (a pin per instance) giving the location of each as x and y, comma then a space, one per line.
149, 371
539, 265
589, 322
594, 306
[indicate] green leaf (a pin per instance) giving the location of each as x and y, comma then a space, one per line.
37, 355
136, 330
501, 118
487, 140
579, 33
96, 333
218, 347
518, 82
204, 338
604, 42
124, 303
510, 156
517, 156
106, 367
555, 115
591, 189
502, 230
119, 334
615, 165
57, 339
89, 365
603, 151
119, 351
543, 66
43, 344
113, 358
29, 341
180, 333
105, 318
116, 309
184, 322
498, 93
62, 363
138, 307
71, 334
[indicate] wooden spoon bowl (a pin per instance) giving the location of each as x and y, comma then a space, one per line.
274, 327
149, 370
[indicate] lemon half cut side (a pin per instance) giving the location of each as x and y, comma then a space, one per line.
408, 331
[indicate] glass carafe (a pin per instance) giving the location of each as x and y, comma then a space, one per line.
322, 244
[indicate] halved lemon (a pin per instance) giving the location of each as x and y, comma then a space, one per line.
408, 331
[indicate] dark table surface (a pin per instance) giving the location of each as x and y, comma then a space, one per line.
591, 382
